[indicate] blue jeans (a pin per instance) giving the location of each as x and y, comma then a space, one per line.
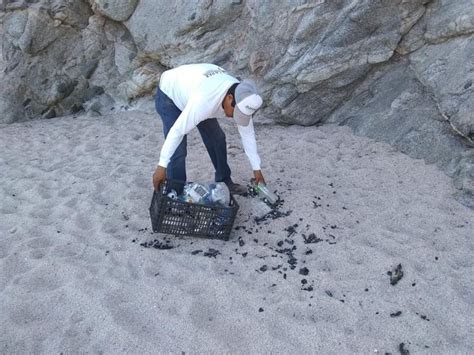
212, 136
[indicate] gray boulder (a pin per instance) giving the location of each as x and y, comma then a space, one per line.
393, 106
442, 52
143, 81
55, 55
444, 19
117, 10
447, 71
99, 105
306, 58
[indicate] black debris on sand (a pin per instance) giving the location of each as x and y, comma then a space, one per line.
212, 253
311, 239
283, 250
422, 316
403, 351
304, 271
291, 258
395, 275
273, 214
291, 230
157, 245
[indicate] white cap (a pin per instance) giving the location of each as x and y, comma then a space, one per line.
247, 102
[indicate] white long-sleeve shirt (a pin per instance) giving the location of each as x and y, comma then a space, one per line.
198, 91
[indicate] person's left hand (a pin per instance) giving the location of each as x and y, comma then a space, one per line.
258, 177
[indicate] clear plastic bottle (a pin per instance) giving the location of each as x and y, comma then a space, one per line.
173, 195
207, 193
220, 193
265, 194
196, 192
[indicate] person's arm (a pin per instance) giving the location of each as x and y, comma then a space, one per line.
194, 112
247, 134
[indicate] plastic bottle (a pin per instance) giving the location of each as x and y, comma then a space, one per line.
173, 195
206, 193
220, 193
196, 192
265, 194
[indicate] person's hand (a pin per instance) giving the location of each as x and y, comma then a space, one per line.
258, 177
158, 177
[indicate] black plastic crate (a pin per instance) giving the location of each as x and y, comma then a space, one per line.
176, 217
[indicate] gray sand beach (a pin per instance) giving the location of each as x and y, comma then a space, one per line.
76, 277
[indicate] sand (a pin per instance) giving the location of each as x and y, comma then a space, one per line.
74, 277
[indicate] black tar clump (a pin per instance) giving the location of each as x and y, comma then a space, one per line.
395, 275
157, 245
212, 253
312, 239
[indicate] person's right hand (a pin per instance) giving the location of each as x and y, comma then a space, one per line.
159, 177
258, 177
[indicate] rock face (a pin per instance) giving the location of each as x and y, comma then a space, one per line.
117, 10
399, 71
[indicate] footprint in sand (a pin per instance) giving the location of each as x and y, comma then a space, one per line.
41, 212
71, 203
4, 249
125, 312
26, 312
37, 254
65, 251
46, 188
65, 192
38, 243
83, 221
77, 334
41, 279
203, 315
109, 227
44, 193
8, 206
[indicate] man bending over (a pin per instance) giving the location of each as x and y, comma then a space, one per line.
196, 95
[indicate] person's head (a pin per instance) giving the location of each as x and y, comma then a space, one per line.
241, 101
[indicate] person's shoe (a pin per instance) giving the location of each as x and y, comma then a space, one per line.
237, 189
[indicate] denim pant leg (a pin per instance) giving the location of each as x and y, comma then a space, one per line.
169, 113
214, 139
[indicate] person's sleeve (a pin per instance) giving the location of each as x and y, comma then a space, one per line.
247, 134
194, 112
